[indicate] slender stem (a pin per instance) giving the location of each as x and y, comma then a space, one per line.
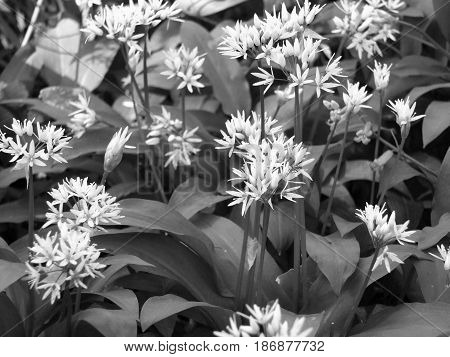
409, 158
183, 109
240, 278
69, 312
77, 301
32, 23
259, 277
31, 304
341, 46
377, 147
347, 118
324, 156
361, 291
251, 277
262, 109
300, 254
141, 131
104, 177
146, 85
397, 158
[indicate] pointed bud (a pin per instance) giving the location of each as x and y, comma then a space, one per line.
114, 151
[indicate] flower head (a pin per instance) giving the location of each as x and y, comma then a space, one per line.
81, 206
444, 256
114, 150
404, 113
355, 97
266, 322
382, 228
364, 135
82, 118
381, 73
186, 65
33, 147
61, 258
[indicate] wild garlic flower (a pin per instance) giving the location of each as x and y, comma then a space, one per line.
266, 322
183, 144
270, 170
404, 113
385, 257
444, 256
33, 147
355, 97
242, 130
186, 65
81, 206
61, 258
114, 150
367, 24
381, 73
365, 134
83, 117
119, 22
382, 228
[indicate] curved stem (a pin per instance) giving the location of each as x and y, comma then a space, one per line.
32, 23
361, 291
240, 277
259, 277
104, 177
377, 147
336, 175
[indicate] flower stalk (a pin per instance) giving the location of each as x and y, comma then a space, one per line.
240, 279
259, 279
347, 118
30, 242
377, 146
300, 254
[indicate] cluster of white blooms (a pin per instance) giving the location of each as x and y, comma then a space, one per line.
183, 143
81, 206
119, 22
284, 39
60, 258
355, 97
381, 73
83, 117
404, 114
266, 322
365, 134
186, 65
336, 112
384, 230
270, 169
367, 24
444, 256
242, 130
32, 147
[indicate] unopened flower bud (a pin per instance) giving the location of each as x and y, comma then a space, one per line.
114, 151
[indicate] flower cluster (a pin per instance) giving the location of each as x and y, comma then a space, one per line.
83, 117
65, 257
285, 40
381, 73
119, 22
242, 130
444, 256
367, 24
384, 230
33, 147
183, 143
81, 206
186, 65
404, 114
266, 322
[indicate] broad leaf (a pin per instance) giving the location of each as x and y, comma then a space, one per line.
208, 7
158, 308
408, 320
395, 172
441, 199
335, 256
11, 322
430, 236
10, 273
110, 323
436, 121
